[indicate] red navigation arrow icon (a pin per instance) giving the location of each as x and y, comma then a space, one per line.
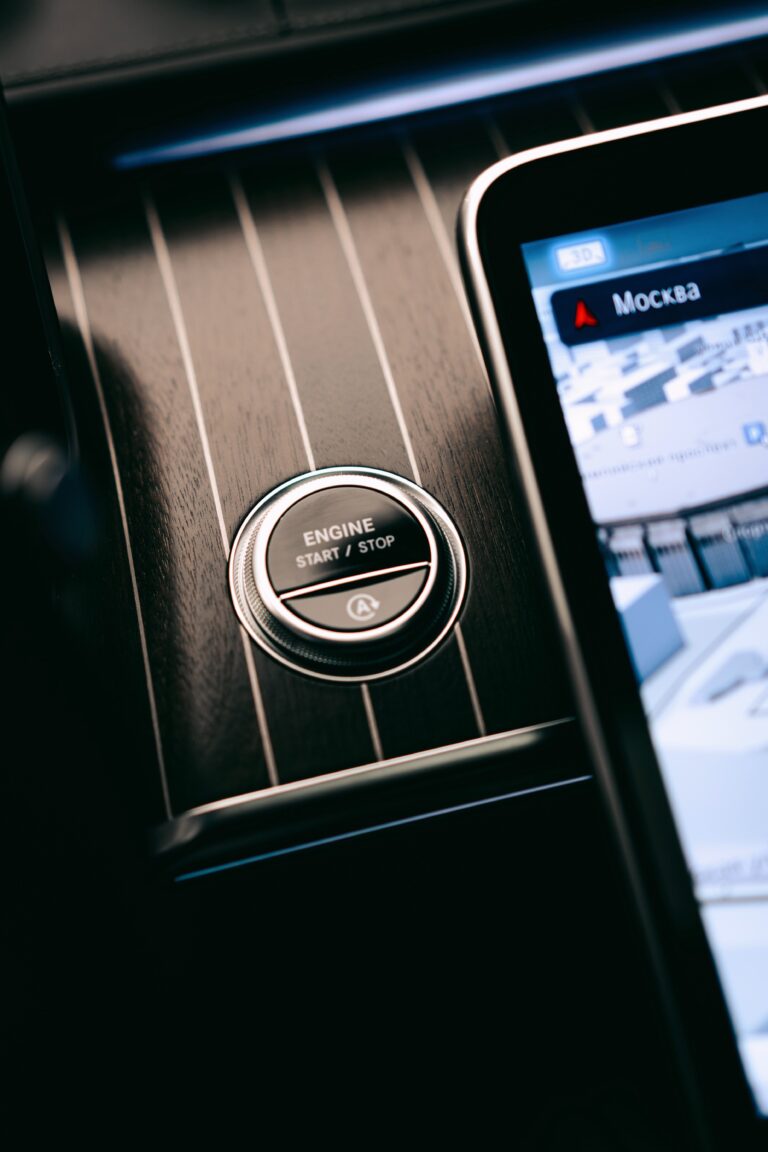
584, 318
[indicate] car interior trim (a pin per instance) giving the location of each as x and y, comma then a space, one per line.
450, 90
81, 312
497, 739
369, 829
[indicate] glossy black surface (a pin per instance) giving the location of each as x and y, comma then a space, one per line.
341, 533
467, 974
709, 286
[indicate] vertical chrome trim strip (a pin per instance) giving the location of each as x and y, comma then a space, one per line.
669, 99
378, 751
256, 253
163, 257
469, 676
346, 239
165, 266
344, 233
350, 251
450, 259
81, 313
261, 712
582, 117
496, 137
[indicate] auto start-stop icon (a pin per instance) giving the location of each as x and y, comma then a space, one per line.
362, 607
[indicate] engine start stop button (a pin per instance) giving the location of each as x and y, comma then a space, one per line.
348, 572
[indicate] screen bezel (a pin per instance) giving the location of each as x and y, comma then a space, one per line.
551, 192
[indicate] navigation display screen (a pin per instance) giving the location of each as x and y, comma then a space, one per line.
657, 333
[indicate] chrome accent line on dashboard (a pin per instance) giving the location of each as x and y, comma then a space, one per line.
474, 698
371, 829
496, 136
163, 257
81, 312
256, 254
168, 278
378, 748
445, 247
447, 251
261, 712
582, 118
478, 742
346, 240
450, 90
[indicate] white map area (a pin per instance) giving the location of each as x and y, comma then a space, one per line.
606, 383
665, 421
708, 707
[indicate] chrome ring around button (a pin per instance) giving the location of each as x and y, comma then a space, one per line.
423, 539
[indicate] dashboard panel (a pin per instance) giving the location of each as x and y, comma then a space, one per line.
232, 322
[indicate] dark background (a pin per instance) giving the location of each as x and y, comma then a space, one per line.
477, 969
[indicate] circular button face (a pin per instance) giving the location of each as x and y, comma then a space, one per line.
342, 533
348, 573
